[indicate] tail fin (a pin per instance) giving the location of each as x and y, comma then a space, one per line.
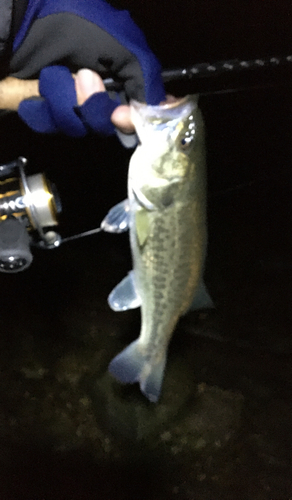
133, 364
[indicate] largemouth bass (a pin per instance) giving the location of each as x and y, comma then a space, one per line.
166, 215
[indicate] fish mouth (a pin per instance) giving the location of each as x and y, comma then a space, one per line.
178, 101
177, 110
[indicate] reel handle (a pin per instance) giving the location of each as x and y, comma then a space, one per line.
15, 254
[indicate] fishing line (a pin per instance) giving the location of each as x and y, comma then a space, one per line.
81, 235
213, 195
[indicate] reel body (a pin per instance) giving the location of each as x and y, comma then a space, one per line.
29, 206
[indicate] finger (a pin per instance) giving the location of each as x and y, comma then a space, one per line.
87, 83
170, 99
121, 118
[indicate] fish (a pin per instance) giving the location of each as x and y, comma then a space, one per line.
165, 213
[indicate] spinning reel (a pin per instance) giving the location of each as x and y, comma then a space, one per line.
29, 206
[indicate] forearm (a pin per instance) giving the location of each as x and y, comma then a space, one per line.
13, 91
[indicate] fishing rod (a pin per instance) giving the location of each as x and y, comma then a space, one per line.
169, 76
203, 70
29, 205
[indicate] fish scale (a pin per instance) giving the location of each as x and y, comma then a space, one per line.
168, 236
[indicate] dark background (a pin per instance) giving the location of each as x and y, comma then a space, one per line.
249, 264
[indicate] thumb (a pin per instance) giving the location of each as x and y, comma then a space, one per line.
87, 83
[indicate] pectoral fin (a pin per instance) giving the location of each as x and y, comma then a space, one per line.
124, 296
117, 219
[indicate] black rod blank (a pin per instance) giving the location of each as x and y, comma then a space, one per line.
203, 70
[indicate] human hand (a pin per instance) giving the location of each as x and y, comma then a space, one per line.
88, 82
109, 42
